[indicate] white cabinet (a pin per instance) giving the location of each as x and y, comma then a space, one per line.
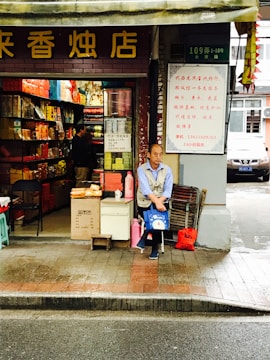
115, 217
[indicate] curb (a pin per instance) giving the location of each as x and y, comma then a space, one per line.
103, 302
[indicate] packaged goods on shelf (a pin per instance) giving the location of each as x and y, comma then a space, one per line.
6, 105
61, 167
52, 133
54, 90
118, 164
28, 108
42, 131
65, 90
113, 181
10, 128
10, 105
68, 115
19, 174
127, 160
108, 161
26, 134
111, 162
39, 87
52, 113
69, 133
9, 84
39, 114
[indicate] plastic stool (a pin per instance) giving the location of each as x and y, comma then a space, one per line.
3, 230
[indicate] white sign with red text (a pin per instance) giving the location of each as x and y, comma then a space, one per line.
196, 108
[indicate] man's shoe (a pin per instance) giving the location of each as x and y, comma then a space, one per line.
141, 244
153, 255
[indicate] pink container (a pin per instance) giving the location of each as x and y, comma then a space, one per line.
129, 186
135, 232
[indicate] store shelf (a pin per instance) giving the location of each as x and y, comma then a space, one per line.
29, 161
30, 119
93, 118
33, 138
39, 98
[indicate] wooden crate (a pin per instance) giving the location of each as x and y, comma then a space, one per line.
101, 240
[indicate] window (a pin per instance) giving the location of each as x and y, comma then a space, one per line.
253, 121
237, 103
253, 103
245, 116
236, 121
241, 54
242, 50
261, 51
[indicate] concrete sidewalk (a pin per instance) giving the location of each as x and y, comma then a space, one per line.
66, 274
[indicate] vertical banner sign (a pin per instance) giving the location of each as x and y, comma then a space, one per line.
196, 108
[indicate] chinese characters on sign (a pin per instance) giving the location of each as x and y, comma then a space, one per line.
196, 108
122, 45
206, 54
82, 44
6, 44
41, 44
117, 142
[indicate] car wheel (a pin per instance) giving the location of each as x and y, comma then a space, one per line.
266, 177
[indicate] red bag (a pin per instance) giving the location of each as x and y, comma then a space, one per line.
186, 239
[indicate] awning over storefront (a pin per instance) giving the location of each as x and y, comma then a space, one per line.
125, 12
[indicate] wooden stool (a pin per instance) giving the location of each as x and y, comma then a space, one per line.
4, 238
101, 240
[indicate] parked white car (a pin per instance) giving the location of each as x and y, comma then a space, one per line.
247, 157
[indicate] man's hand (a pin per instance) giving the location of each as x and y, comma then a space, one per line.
159, 202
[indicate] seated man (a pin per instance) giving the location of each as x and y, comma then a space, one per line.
155, 184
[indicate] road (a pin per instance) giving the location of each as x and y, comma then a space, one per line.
249, 204
27, 335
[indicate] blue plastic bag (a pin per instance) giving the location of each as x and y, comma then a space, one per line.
156, 220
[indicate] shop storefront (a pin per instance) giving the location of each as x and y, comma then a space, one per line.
88, 63
39, 112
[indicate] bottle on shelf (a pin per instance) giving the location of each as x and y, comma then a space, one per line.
129, 186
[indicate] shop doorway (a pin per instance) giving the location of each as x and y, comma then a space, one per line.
38, 117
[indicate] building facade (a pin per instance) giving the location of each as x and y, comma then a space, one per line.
250, 110
134, 46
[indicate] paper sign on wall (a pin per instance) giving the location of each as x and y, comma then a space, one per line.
117, 142
196, 108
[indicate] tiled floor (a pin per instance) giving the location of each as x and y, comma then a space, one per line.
60, 265
65, 267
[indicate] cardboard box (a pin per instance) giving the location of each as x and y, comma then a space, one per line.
85, 218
